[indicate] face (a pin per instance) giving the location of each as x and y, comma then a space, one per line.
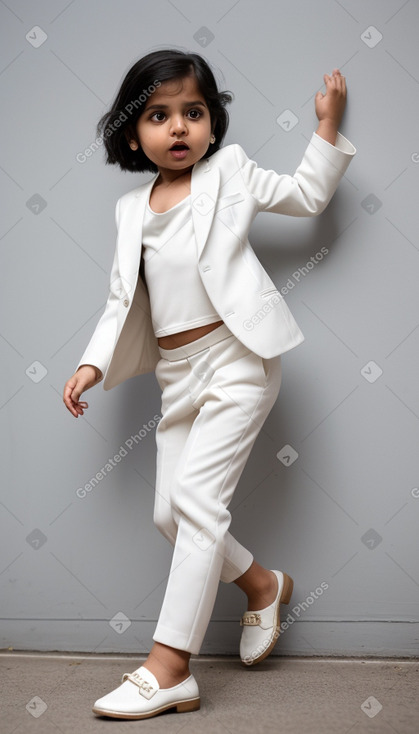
175, 111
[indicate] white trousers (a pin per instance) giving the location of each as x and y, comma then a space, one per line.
216, 395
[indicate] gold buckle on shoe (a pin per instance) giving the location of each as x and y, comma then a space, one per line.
146, 689
251, 619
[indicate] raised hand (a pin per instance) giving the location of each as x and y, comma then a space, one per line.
331, 105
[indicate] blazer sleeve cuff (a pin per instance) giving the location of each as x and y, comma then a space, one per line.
340, 154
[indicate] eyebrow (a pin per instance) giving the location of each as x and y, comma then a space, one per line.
165, 106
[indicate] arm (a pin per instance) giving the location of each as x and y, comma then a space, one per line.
99, 349
314, 182
93, 364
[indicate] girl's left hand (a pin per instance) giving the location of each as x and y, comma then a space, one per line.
330, 106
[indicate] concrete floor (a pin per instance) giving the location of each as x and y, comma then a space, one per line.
54, 693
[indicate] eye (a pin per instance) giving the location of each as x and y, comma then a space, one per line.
194, 113
157, 113
199, 113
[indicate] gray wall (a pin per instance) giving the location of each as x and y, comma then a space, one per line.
88, 573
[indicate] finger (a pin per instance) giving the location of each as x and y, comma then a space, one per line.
332, 84
339, 82
341, 85
67, 390
67, 398
71, 408
76, 394
333, 81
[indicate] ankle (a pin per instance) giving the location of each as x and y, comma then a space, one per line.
171, 661
173, 666
263, 593
263, 585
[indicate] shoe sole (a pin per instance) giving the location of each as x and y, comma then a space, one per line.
284, 598
193, 704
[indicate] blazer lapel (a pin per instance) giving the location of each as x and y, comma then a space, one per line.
205, 183
130, 235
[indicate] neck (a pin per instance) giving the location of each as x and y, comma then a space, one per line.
167, 177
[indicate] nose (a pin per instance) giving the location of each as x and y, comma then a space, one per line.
178, 124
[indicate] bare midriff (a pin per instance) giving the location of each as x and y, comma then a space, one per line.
184, 337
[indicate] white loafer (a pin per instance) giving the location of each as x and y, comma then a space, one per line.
261, 629
140, 697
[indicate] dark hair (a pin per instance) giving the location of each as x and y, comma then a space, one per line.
118, 125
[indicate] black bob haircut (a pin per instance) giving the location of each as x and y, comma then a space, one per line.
118, 125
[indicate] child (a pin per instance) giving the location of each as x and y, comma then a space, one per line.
190, 300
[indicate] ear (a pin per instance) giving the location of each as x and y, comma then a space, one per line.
130, 140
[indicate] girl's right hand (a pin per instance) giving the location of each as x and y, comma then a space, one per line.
85, 377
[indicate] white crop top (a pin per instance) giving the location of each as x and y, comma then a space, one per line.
178, 298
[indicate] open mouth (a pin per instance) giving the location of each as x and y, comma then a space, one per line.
179, 151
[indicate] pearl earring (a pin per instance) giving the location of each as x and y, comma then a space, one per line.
212, 139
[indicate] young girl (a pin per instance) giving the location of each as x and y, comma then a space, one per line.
190, 300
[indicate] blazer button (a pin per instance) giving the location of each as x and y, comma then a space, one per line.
126, 302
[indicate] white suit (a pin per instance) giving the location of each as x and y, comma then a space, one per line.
227, 191
216, 390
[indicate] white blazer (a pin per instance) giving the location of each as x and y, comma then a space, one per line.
227, 191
